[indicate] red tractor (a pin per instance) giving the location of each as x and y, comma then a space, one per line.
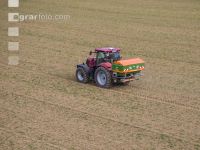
105, 66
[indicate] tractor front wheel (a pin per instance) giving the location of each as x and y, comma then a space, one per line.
102, 77
81, 75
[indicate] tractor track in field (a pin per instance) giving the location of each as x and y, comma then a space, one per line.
59, 147
188, 62
6, 129
120, 36
135, 38
9, 130
196, 64
155, 99
106, 118
32, 139
140, 39
164, 100
140, 54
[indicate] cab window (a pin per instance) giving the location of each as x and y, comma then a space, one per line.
100, 57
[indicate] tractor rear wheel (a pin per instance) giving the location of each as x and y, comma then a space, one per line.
81, 75
102, 77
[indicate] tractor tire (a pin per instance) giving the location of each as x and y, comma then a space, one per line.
81, 75
102, 77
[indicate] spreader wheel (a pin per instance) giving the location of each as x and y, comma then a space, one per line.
102, 77
81, 75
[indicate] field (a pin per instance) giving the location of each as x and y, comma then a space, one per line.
43, 107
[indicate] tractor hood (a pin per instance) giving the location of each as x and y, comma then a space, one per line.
129, 65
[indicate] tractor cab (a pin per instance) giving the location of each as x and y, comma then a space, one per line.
108, 54
103, 55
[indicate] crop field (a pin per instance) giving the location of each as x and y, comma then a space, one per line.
42, 106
